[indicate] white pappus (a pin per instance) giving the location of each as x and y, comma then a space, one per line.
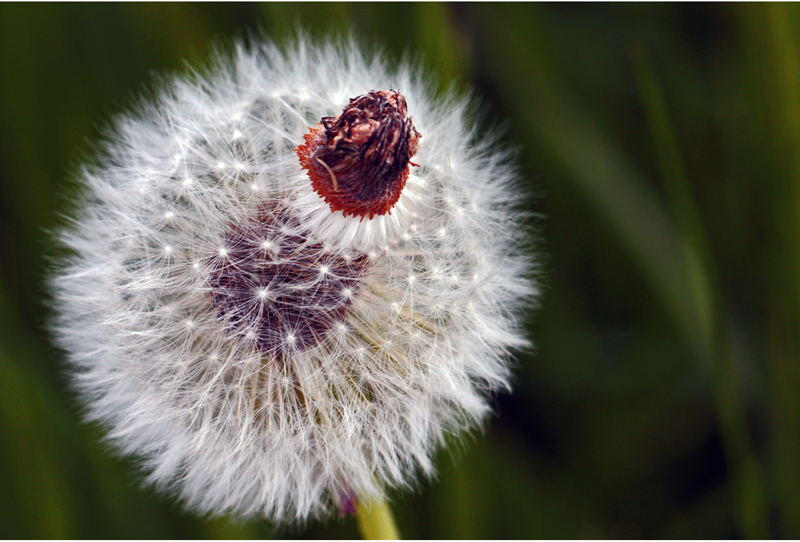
259, 352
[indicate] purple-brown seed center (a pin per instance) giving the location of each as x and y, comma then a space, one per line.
274, 286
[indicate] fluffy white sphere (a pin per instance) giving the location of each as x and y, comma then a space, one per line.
259, 353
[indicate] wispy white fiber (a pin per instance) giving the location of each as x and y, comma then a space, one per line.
426, 336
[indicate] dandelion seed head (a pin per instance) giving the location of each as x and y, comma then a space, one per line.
269, 342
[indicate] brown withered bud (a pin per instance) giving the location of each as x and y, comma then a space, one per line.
359, 161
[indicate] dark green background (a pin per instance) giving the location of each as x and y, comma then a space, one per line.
663, 142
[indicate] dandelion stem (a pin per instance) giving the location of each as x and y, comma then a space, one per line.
375, 521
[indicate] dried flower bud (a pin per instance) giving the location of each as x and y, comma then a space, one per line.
359, 161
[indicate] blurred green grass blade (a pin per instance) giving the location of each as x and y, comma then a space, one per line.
781, 20
41, 507
29, 129
773, 31
751, 500
447, 51
683, 207
461, 498
554, 120
227, 529
33, 459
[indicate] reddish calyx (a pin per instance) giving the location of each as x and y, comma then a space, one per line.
359, 161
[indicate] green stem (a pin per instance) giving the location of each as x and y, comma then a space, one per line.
375, 521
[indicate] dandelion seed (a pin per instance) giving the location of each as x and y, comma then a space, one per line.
274, 301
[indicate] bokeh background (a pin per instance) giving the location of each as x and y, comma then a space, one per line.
662, 143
